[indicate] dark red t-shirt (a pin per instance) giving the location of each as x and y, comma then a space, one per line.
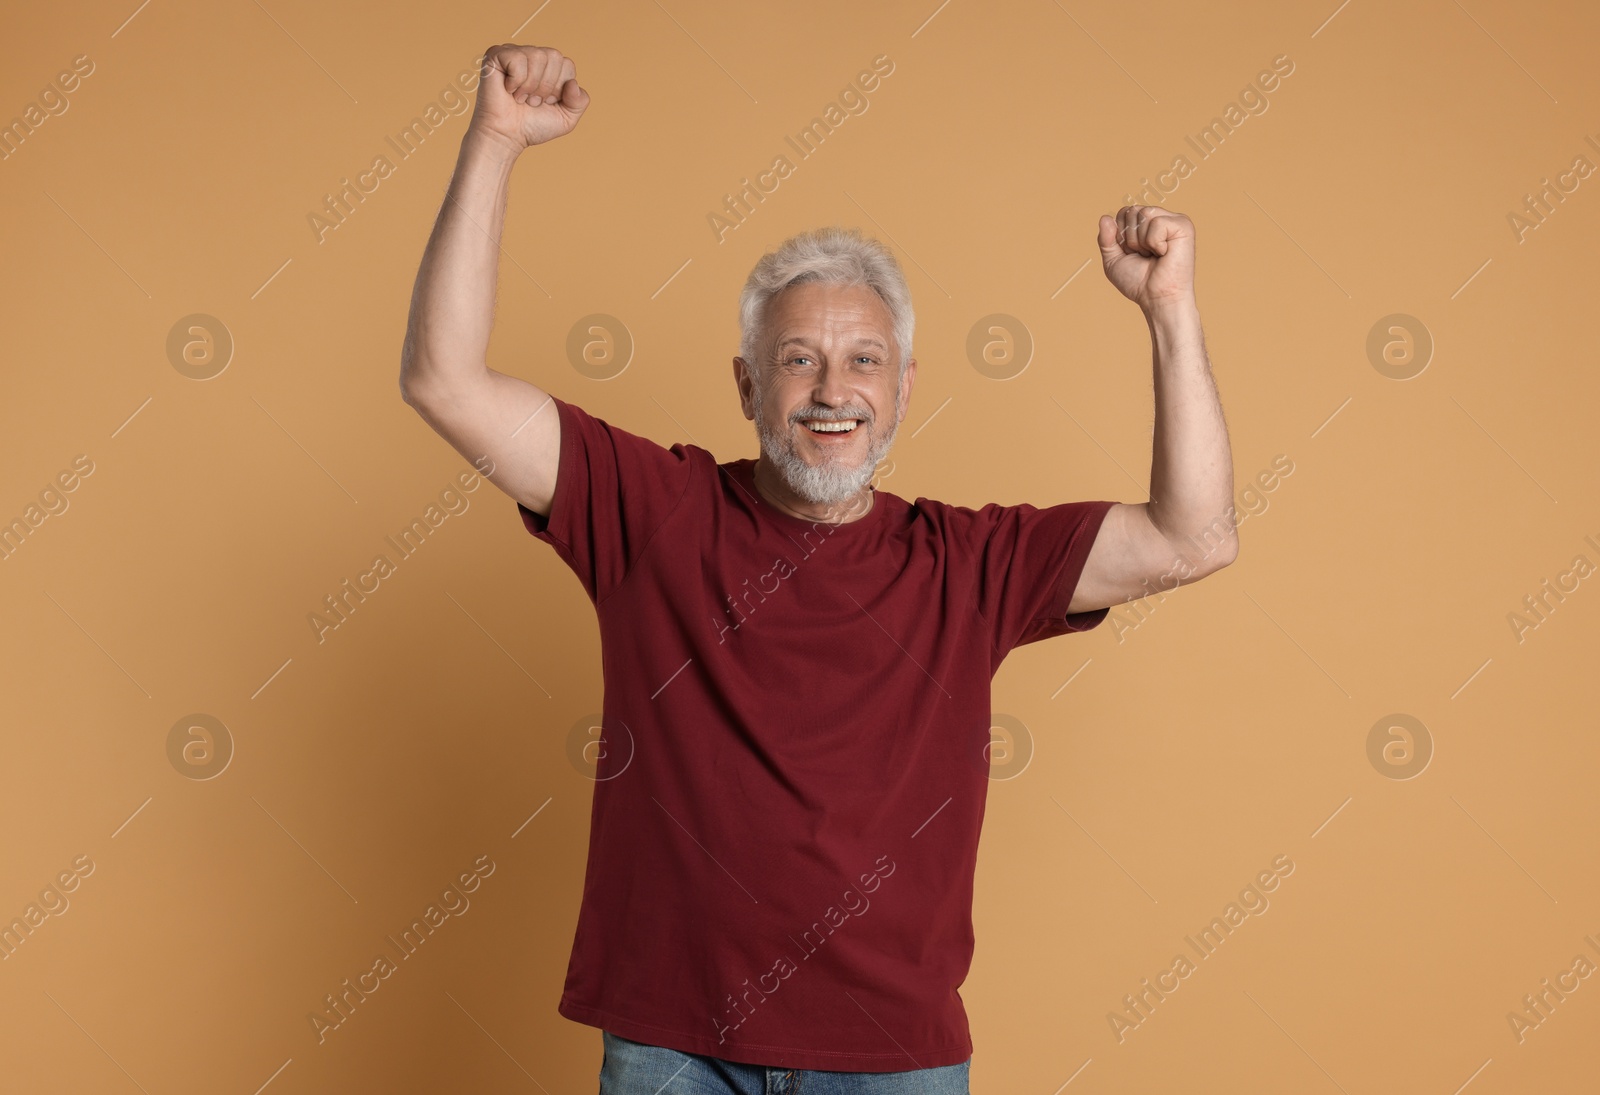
785, 820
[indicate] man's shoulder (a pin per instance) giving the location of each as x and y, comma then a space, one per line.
954, 514
610, 423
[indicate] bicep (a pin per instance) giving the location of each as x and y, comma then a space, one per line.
512, 423
1129, 558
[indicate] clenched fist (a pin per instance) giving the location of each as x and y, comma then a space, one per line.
1148, 254
527, 95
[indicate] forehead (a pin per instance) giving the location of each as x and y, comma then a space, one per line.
815, 310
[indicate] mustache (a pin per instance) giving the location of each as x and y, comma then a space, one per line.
829, 416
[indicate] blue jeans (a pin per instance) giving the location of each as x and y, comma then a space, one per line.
632, 1068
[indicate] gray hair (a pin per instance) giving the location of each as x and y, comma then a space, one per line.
836, 256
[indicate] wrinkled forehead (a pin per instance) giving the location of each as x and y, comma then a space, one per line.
817, 314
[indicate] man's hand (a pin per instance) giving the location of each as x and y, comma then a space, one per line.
526, 95
1149, 255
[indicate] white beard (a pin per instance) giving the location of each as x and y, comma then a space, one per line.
827, 483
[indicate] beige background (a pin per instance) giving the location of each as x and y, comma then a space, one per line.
1206, 735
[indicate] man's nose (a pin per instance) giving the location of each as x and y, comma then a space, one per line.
833, 385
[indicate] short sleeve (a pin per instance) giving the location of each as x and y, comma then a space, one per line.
1029, 566
614, 490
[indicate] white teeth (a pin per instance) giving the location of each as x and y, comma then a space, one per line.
830, 426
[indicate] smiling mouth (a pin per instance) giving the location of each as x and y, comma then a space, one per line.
831, 427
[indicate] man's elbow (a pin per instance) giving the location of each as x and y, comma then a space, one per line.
414, 389
1196, 552
1217, 555
414, 371
1222, 555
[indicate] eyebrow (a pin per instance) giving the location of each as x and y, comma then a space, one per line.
796, 340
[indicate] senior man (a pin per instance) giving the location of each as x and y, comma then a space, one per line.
778, 892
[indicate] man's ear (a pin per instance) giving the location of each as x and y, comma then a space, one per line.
903, 396
742, 382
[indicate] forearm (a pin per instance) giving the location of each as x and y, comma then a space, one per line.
1191, 466
452, 303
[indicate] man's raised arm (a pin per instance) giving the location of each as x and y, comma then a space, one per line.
1187, 530
526, 95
